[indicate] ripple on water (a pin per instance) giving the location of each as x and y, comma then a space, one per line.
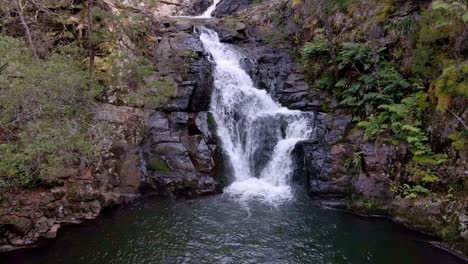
220, 229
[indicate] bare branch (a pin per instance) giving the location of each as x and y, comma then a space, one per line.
457, 117
20, 11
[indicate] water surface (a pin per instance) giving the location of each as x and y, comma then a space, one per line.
219, 229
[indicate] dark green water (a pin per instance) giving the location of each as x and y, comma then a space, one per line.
219, 230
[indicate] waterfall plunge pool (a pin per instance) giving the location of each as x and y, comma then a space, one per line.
220, 229
258, 220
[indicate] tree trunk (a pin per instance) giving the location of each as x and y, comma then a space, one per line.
19, 10
329, 34
90, 42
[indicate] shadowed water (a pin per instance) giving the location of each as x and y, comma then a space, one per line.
218, 229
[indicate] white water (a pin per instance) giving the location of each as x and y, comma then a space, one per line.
207, 13
256, 132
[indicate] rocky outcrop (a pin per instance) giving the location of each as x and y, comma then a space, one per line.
441, 216
227, 7
78, 194
170, 7
179, 150
180, 146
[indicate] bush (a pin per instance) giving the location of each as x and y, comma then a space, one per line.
406, 191
440, 38
32, 89
49, 102
366, 78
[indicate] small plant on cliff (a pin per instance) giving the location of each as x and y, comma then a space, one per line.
355, 161
367, 78
406, 191
459, 140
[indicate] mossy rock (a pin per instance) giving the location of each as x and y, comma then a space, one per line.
157, 164
211, 122
368, 207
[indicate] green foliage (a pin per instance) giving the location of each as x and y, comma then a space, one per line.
160, 91
440, 38
313, 54
405, 122
211, 122
377, 81
420, 173
45, 105
151, 97
316, 48
31, 89
387, 9
72, 192
355, 161
406, 191
370, 80
459, 140
383, 102
375, 125
452, 82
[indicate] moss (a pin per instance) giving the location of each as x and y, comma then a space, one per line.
459, 140
191, 54
452, 82
211, 122
367, 207
72, 192
387, 9
157, 164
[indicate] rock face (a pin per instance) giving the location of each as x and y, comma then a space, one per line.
227, 7
180, 145
171, 150
175, 7
180, 151
78, 194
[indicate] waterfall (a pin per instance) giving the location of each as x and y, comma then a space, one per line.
256, 132
207, 13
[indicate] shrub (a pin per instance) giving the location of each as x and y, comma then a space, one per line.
49, 101
369, 79
406, 191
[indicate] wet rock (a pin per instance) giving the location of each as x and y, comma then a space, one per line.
178, 155
182, 59
227, 7
17, 242
52, 232
275, 70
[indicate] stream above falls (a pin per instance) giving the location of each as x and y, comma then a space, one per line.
218, 229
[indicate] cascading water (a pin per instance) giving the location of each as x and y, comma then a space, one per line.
207, 13
256, 132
